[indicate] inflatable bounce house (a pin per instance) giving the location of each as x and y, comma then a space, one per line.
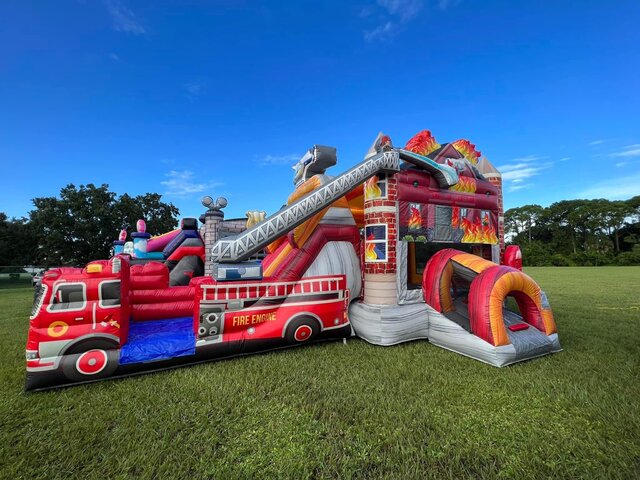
408, 244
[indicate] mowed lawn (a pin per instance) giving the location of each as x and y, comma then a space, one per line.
350, 411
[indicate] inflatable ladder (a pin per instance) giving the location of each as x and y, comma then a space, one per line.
242, 246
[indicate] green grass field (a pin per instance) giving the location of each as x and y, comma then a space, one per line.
350, 411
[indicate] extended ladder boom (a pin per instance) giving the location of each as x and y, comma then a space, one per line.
242, 246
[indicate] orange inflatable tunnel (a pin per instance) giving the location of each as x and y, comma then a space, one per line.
490, 284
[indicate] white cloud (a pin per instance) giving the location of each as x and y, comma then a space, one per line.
621, 164
395, 13
564, 159
529, 158
193, 88
628, 151
114, 57
124, 20
619, 188
515, 188
405, 9
521, 174
444, 4
183, 183
289, 159
597, 142
381, 31
522, 169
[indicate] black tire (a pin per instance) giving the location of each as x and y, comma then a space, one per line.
302, 330
90, 360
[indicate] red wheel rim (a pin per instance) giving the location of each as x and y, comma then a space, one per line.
302, 333
92, 362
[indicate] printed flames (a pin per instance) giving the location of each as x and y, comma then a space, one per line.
370, 251
422, 143
468, 149
415, 220
371, 188
464, 185
480, 231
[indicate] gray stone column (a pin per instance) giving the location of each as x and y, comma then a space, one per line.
212, 220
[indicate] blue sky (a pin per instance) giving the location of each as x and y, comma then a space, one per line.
188, 98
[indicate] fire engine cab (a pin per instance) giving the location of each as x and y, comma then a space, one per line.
78, 321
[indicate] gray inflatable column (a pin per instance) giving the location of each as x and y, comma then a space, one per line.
213, 219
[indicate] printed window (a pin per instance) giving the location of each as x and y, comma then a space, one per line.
68, 296
110, 294
375, 245
443, 224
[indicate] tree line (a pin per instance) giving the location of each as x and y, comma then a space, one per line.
577, 232
79, 225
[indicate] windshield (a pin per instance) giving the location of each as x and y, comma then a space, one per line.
38, 298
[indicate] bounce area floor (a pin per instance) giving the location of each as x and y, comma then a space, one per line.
155, 340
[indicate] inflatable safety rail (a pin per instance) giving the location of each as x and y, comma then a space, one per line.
112, 319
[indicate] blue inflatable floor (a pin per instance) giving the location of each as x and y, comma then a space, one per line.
158, 340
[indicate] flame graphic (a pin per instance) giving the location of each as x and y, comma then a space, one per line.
371, 188
465, 185
422, 143
415, 221
370, 252
478, 233
455, 217
468, 149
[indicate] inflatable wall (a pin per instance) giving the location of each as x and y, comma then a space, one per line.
408, 244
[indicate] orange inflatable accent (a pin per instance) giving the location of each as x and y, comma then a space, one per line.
355, 198
473, 262
302, 190
510, 282
445, 288
549, 321
303, 231
273, 266
486, 299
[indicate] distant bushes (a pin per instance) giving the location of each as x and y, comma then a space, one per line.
577, 232
536, 254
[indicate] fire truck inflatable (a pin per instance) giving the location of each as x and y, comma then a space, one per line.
408, 244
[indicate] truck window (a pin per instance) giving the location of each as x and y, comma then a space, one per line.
110, 294
70, 296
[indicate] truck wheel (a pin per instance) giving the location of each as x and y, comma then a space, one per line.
91, 360
302, 330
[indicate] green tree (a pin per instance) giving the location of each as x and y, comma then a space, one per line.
82, 223
18, 243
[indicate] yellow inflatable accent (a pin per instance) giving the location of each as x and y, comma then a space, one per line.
164, 234
94, 268
270, 270
57, 329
